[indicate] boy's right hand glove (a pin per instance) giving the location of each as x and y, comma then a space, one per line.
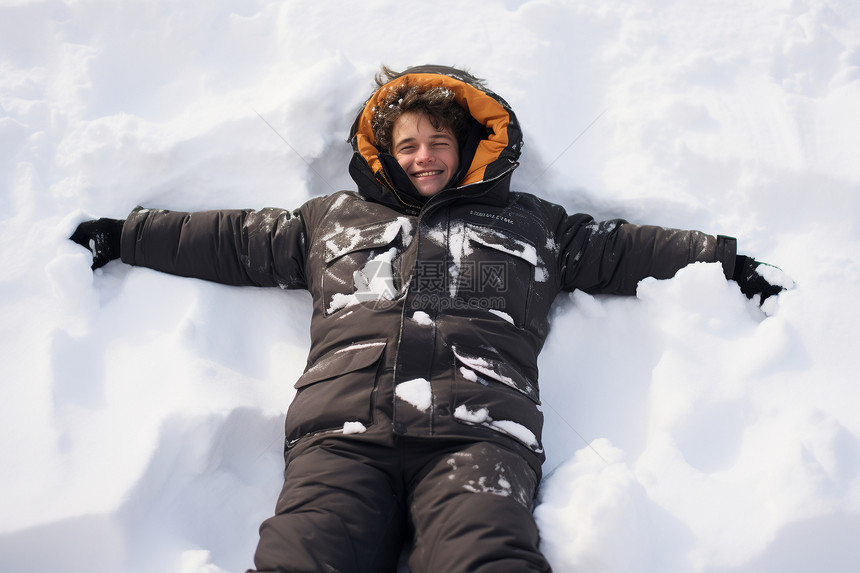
101, 237
755, 277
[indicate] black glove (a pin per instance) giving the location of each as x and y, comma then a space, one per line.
755, 277
101, 237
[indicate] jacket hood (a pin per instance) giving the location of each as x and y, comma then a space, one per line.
492, 151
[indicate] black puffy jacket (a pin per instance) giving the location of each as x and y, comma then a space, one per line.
427, 319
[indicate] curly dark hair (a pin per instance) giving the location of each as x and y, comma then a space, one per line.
437, 103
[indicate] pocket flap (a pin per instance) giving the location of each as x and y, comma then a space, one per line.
498, 370
343, 360
504, 241
370, 236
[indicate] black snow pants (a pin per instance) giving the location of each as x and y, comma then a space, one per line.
350, 506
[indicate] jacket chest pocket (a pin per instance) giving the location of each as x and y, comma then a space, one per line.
337, 389
495, 272
361, 264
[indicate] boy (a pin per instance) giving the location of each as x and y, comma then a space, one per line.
417, 420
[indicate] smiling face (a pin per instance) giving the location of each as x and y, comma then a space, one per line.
429, 156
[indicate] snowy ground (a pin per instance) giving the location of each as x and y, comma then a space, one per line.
687, 430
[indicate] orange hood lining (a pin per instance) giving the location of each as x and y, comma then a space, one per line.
484, 108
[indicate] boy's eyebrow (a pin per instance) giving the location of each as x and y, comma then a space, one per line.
437, 135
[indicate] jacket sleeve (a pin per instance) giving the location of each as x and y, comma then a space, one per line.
611, 257
234, 247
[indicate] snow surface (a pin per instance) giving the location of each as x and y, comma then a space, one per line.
687, 431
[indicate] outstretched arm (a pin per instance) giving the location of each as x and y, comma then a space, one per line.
236, 247
611, 257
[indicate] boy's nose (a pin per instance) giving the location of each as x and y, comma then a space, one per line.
424, 154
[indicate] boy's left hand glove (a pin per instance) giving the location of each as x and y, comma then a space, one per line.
755, 277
